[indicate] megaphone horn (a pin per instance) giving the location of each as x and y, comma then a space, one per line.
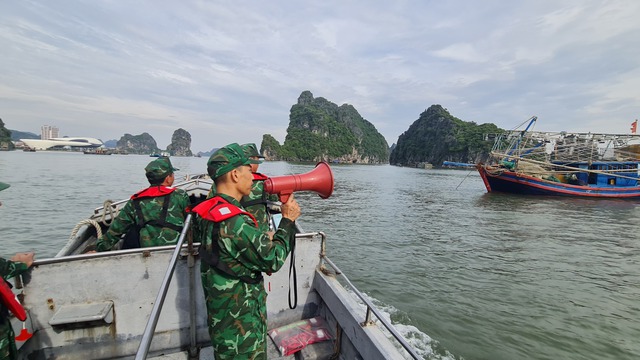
319, 180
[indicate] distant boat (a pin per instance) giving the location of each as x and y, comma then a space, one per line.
161, 154
98, 151
563, 164
28, 149
456, 164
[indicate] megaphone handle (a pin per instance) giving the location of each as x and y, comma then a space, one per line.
284, 195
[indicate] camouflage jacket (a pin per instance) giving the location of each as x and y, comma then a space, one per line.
256, 204
9, 269
243, 247
234, 307
150, 235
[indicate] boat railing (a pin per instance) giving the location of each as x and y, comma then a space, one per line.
150, 328
371, 309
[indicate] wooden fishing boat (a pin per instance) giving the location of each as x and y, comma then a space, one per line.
563, 164
148, 303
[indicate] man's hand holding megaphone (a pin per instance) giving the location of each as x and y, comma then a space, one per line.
290, 210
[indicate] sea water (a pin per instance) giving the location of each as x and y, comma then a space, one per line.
461, 273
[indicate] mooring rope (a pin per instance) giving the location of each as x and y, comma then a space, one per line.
107, 205
84, 222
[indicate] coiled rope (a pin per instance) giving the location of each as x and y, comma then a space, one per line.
111, 211
84, 222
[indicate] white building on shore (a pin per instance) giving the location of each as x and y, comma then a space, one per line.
59, 143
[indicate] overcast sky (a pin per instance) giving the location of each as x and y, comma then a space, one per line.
229, 71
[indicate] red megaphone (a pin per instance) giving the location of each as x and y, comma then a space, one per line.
319, 180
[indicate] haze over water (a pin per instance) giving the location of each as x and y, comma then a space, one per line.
484, 276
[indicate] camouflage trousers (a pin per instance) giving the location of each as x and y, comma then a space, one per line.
7, 341
237, 317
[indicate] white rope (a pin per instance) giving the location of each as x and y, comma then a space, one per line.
105, 206
84, 222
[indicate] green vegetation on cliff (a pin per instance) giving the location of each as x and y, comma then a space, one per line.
270, 147
138, 144
437, 136
321, 130
180, 143
5, 137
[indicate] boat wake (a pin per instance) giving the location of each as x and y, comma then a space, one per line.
424, 345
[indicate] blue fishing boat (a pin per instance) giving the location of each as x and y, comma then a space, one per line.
563, 164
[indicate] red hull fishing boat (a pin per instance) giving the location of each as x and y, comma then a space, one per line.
563, 164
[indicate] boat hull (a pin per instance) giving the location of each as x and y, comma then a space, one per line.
501, 180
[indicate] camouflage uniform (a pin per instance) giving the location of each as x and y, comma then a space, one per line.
237, 309
259, 210
256, 202
151, 234
8, 269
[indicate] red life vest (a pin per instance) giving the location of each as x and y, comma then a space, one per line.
153, 191
218, 209
132, 238
9, 300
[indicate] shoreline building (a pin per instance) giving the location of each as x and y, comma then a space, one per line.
50, 140
61, 143
49, 132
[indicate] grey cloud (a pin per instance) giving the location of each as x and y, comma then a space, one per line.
231, 71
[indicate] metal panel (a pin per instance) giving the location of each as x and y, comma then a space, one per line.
370, 341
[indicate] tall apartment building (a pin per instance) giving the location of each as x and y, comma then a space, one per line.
47, 132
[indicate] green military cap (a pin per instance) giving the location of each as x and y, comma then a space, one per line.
159, 169
226, 159
3, 186
250, 150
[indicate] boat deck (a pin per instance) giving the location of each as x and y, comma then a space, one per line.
318, 351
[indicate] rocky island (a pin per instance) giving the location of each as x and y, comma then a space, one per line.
146, 144
437, 136
321, 130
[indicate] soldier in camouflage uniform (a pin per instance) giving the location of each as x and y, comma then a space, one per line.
234, 254
256, 202
155, 214
18, 264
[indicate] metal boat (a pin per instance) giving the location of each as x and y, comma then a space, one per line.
148, 302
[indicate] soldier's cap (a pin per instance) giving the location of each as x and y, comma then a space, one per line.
250, 150
226, 159
159, 169
3, 186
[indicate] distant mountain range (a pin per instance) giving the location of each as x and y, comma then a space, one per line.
110, 143
207, 153
17, 135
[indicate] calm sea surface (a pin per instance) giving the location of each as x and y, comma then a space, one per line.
464, 274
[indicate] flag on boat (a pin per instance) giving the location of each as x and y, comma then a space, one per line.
634, 126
